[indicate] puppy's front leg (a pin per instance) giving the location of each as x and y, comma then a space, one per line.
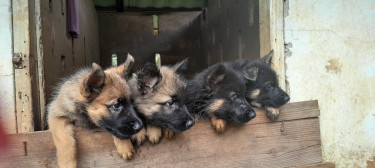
272, 113
154, 134
168, 133
140, 136
124, 148
218, 124
63, 136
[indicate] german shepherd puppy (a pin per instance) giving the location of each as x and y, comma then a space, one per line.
159, 99
262, 87
219, 94
92, 97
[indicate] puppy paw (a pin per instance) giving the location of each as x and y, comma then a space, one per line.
124, 148
168, 133
218, 124
272, 113
154, 134
139, 137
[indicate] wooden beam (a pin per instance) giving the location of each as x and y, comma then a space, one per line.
40, 61
264, 27
318, 165
284, 143
277, 39
22, 75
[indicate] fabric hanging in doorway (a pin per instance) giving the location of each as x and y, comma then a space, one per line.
72, 7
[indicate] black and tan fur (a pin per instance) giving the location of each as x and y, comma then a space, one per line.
159, 99
92, 97
218, 93
262, 87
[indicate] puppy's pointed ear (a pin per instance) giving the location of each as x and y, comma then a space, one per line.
214, 77
250, 73
181, 67
267, 59
239, 64
148, 77
94, 82
125, 67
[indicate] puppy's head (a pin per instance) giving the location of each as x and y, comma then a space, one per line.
161, 96
109, 103
228, 102
262, 87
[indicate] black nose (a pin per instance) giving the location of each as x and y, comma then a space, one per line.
190, 123
252, 115
286, 98
136, 125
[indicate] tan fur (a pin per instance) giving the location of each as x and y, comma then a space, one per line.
124, 148
254, 94
114, 88
169, 134
149, 104
168, 86
139, 137
220, 78
154, 134
256, 104
273, 113
63, 137
124, 68
216, 105
72, 99
218, 124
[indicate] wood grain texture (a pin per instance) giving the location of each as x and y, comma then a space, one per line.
277, 40
23, 79
285, 143
318, 165
264, 27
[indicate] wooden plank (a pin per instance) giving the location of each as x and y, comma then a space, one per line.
291, 111
318, 165
256, 145
21, 44
277, 39
264, 27
277, 144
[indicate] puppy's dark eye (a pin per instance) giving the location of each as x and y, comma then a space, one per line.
234, 97
115, 106
169, 103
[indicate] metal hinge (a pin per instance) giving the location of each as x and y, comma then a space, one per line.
17, 60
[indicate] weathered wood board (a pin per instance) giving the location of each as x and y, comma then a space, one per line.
293, 140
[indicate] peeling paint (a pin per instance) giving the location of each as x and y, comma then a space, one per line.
334, 66
287, 54
287, 47
371, 163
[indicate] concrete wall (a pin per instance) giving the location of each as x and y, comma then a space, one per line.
7, 99
178, 38
230, 30
62, 54
330, 56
